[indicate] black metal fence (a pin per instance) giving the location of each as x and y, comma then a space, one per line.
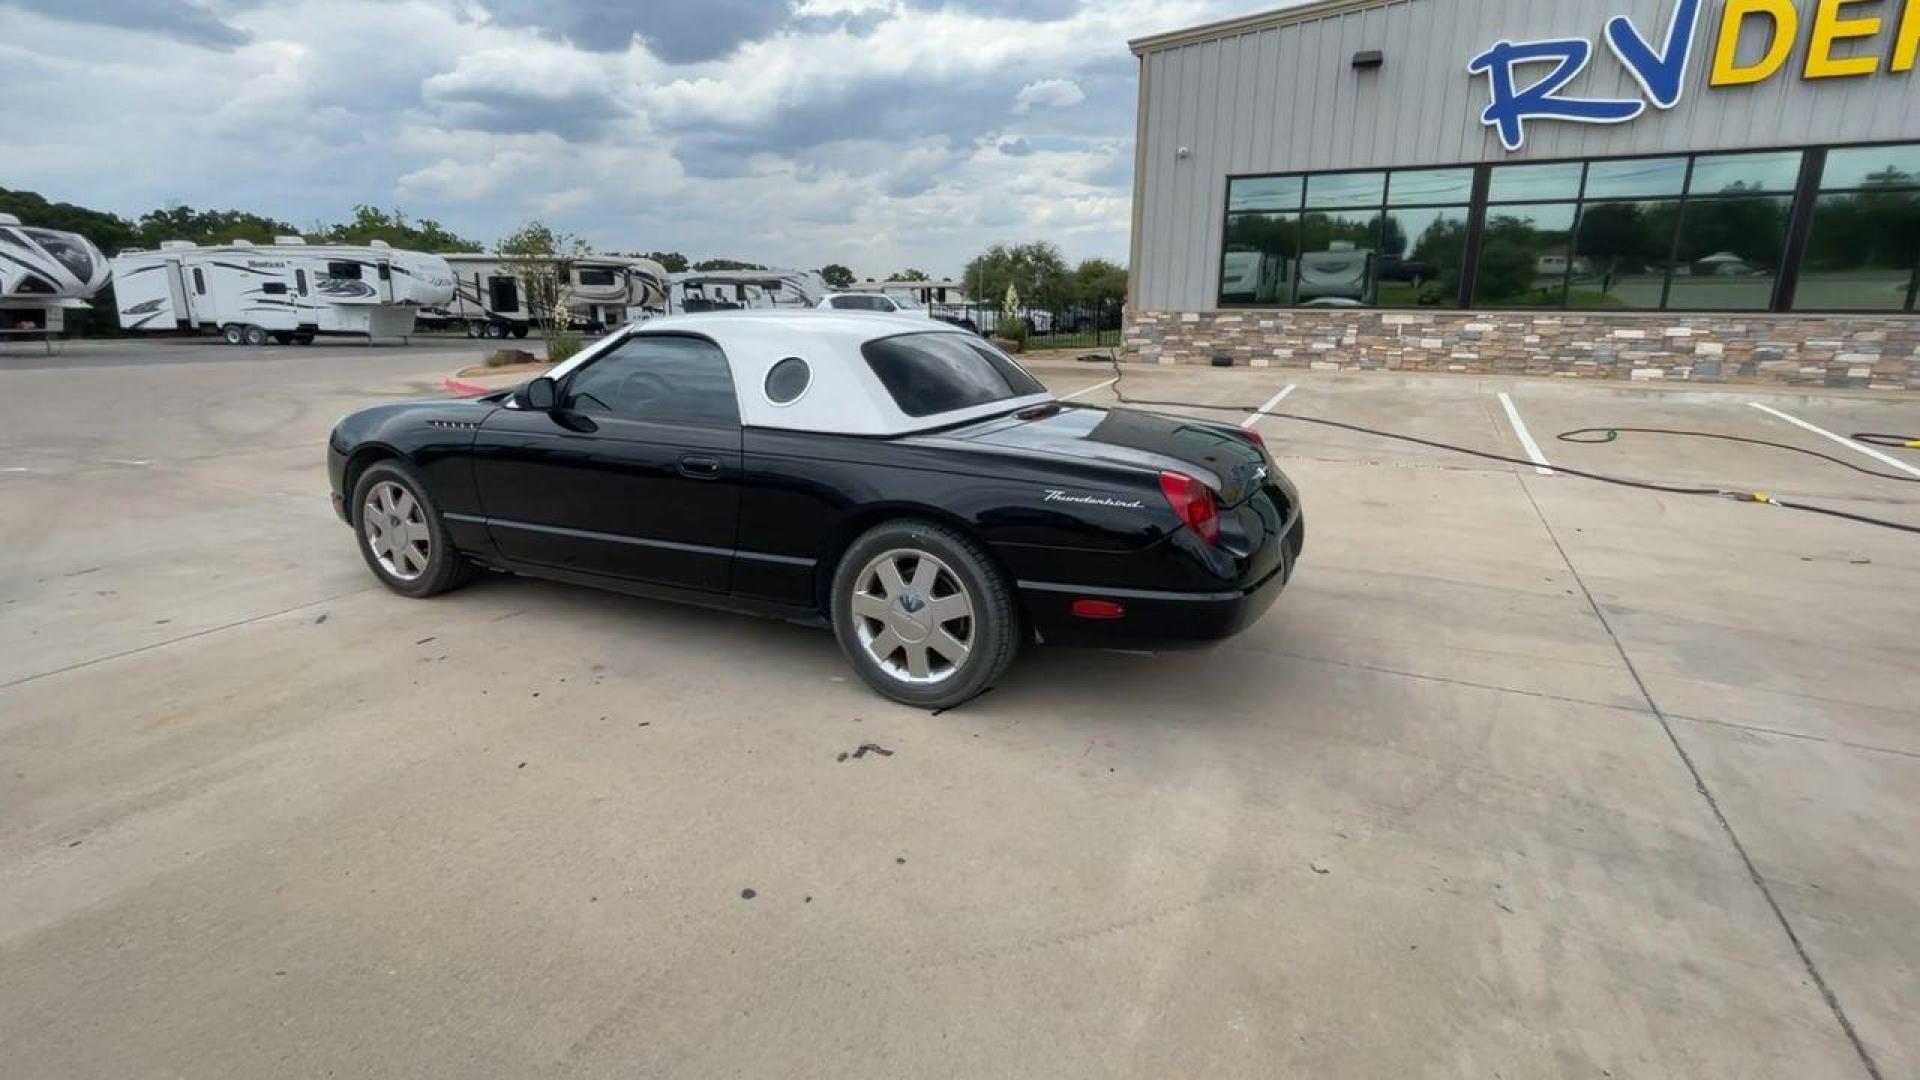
1093, 324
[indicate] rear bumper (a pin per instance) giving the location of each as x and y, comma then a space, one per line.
1155, 620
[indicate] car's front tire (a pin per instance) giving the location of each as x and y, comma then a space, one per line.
401, 534
923, 614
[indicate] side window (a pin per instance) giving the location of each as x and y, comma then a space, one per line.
349, 270
386, 272
657, 378
199, 282
274, 288
300, 281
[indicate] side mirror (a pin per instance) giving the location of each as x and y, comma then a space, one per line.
540, 395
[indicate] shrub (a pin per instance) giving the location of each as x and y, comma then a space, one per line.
509, 357
561, 346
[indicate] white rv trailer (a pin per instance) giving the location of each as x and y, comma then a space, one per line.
44, 274
288, 291
927, 294
602, 292
727, 290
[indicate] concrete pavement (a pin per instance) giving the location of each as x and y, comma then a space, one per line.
1525, 777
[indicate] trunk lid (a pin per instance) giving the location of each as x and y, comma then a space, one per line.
1218, 455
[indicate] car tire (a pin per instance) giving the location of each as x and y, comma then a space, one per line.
475, 330
233, 334
939, 630
255, 336
406, 515
520, 332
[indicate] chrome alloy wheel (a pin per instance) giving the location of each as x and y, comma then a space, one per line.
396, 530
913, 617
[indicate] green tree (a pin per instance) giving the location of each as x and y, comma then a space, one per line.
1443, 246
725, 264
673, 261
1099, 280
109, 232
371, 223
1507, 260
538, 256
836, 276
1037, 270
181, 222
908, 275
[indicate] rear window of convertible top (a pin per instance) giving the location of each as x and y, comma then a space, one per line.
929, 374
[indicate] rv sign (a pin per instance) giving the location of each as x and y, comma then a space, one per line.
1842, 39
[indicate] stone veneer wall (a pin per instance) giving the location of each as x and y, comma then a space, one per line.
1866, 352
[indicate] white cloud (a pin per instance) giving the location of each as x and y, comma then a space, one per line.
875, 133
1048, 94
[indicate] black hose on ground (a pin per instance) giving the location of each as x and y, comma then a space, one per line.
1897, 442
1119, 379
1607, 435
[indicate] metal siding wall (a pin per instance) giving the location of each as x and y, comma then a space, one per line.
1284, 99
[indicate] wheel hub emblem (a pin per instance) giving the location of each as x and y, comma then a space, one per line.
913, 603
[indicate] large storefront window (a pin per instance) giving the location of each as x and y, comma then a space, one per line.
1389, 239
1641, 234
1704, 232
1864, 249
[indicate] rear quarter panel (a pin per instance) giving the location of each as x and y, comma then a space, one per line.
807, 496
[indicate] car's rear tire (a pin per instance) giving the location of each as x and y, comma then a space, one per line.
401, 534
255, 336
923, 614
233, 334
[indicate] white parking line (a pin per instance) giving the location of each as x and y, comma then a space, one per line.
1270, 406
1526, 438
1841, 439
1088, 390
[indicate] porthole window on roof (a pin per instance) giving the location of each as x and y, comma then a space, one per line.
787, 380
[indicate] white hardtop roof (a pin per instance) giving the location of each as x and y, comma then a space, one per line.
844, 397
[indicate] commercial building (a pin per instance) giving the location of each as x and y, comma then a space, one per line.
1714, 190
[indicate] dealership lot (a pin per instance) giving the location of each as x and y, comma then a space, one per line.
1525, 776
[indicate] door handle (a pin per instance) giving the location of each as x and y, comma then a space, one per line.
697, 467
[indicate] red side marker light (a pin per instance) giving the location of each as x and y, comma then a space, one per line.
1098, 609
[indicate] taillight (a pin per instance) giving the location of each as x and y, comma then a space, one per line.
1194, 503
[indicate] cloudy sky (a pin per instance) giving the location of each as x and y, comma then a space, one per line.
876, 133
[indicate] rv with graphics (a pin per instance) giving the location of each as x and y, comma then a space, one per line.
601, 292
289, 291
44, 274
731, 290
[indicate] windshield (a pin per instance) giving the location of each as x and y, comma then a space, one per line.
862, 303
928, 374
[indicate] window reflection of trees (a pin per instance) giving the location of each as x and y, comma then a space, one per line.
1864, 246
1708, 232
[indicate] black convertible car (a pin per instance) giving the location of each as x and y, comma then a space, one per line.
903, 482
